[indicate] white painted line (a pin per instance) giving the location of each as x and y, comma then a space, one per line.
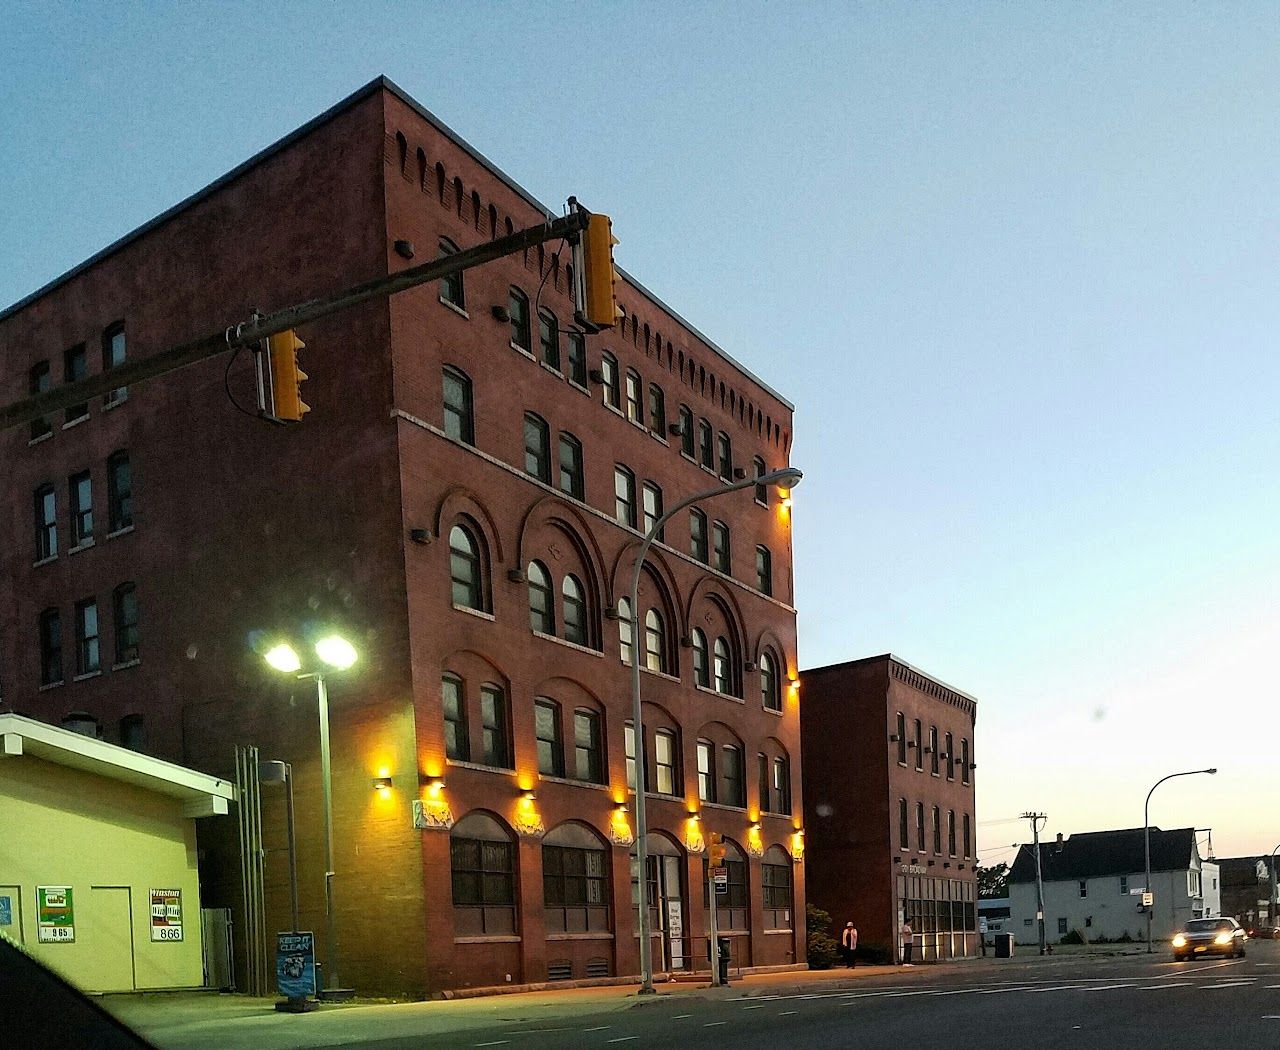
681, 1017
753, 1007
787, 1013
1229, 984
713, 1024
1105, 987
602, 1028
1168, 984
1053, 988
622, 1039
496, 1042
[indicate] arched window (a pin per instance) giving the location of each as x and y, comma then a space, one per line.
518, 309
571, 475
764, 570
465, 568
652, 496
124, 605
542, 614
546, 729
706, 444
624, 489
655, 642
575, 611
965, 764
549, 338
657, 411
937, 829
588, 753
775, 881
949, 757
575, 881
666, 752
720, 549
459, 417
440, 181
900, 731
733, 776
609, 380
537, 447
770, 687
733, 905
452, 290
119, 492
457, 196
933, 750
699, 545
951, 832
456, 743
920, 827
686, 431
402, 151
46, 521
762, 491
721, 667
724, 453
482, 859
577, 359
626, 630
968, 837
635, 406
495, 726
701, 661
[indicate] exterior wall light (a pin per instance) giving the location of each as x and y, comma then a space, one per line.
382, 785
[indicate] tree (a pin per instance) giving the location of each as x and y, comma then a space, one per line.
993, 880
821, 945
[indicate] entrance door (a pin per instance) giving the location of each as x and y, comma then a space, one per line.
105, 927
664, 868
673, 909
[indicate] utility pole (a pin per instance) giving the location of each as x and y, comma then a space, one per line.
1036, 819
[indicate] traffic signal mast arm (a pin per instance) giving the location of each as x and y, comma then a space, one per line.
247, 333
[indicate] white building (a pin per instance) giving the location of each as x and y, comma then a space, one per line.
1093, 884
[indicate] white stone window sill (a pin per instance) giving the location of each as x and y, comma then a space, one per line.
120, 532
579, 936
75, 422
544, 778
115, 402
44, 561
506, 938
552, 369
567, 644
522, 351
80, 547
455, 308
87, 675
126, 664
480, 767
51, 685
475, 612
43, 437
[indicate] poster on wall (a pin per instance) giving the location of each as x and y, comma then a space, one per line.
55, 915
166, 915
6, 909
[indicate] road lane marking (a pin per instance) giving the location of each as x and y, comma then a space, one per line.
622, 1039
1230, 984
1169, 984
753, 1007
1105, 987
681, 1017
713, 1024
602, 1028
496, 1042
787, 1013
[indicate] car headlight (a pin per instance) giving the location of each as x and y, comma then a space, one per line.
1179, 941
1223, 938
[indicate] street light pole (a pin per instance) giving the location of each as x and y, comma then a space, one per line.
1146, 835
787, 478
326, 775
1271, 915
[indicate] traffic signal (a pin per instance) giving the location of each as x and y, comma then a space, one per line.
599, 305
286, 376
716, 851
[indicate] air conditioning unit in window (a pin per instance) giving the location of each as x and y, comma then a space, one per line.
501, 313
675, 429
739, 474
750, 665
596, 375
515, 575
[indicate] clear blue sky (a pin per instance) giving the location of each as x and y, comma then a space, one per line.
1014, 263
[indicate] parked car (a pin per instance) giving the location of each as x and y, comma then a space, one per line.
1220, 936
1266, 933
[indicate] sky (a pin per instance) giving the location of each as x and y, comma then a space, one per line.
1015, 265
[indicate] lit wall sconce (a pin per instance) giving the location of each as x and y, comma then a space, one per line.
619, 829
529, 795
694, 815
382, 785
528, 819
434, 785
797, 845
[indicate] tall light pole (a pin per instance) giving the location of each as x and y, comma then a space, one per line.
1271, 915
1146, 835
1036, 819
338, 654
786, 478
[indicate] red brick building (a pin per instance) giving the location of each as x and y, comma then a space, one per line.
463, 502
888, 759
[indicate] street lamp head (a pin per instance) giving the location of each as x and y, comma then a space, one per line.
786, 478
1211, 771
336, 651
283, 658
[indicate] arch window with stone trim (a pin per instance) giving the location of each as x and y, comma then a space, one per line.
920, 827
577, 358
721, 557
937, 830
457, 744
452, 290
656, 651
761, 491
609, 380
576, 611
657, 411
949, 756
900, 732
685, 417
966, 766
624, 490
701, 659
518, 309
706, 444
546, 730
572, 480
968, 837
775, 883
764, 570
635, 397
575, 880
933, 750
466, 567
626, 630
770, 682
542, 609
549, 338
651, 495
733, 906
459, 413
951, 832
699, 544
724, 456
721, 670
537, 447
482, 860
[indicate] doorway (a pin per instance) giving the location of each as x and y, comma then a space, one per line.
105, 926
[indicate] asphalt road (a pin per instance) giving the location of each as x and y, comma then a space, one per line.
1132, 1002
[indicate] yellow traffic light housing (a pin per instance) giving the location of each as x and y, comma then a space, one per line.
716, 850
286, 376
598, 303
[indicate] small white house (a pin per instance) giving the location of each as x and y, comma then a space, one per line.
1093, 885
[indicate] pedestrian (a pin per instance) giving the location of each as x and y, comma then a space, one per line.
906, 943
849, 945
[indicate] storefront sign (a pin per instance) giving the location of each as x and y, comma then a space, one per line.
721, 878
55, 915
296, 965
166, 915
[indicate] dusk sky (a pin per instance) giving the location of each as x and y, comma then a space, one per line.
1015, 264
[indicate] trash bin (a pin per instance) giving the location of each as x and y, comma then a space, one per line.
1004, 946
724, 942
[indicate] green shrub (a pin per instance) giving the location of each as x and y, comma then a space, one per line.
821, 945
1074, 937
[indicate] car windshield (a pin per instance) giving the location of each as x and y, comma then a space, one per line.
1207, 925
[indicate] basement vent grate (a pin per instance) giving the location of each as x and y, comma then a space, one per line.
597, 967
560, 971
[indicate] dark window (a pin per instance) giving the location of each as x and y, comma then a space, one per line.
706, 771
720, 546
724, 453
949, 756
733, 777
50, 647
46, 521
764, 570
81, 490
113, 355
919, 746
701, 661
546, 727
518, 308
933, 750
698, 536
904, 839
609, 372
494, 721
664, 756
763, 783
119, 492
706, 444
537, 447
451, 287
762, 491
577, 359
968, 837
770, 687
456, 744
902, 738
775, 881
75, 368
575, 886
720, 667
465, 568
124, 602
483, 885
655, 642
965, 765
588, 760
652, 507
626, 629
575, 611
87, 654
657, 411
937, 829
951, 832
132, 733
459, 417
542, 612
686, 431
39, 381
920, 826
549, 338
571, 478
635, 406
624, 489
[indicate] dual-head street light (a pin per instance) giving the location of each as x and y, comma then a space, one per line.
333, 650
